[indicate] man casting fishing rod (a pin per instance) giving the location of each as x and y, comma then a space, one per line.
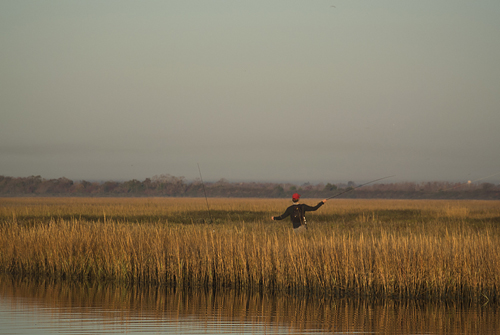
297, 213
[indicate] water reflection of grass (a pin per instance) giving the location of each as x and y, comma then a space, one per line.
433, 250
121, 304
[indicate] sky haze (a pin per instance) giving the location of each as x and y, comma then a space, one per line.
280, 91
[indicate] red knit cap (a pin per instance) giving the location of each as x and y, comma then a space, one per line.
295, 196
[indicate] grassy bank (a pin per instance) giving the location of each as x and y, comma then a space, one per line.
436, 250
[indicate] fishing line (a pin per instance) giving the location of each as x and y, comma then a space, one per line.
352, 189
485, 177
205, 192
472, 181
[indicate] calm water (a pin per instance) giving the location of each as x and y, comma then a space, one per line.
63, 308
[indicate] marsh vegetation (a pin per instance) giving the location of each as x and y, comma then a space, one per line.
398, 249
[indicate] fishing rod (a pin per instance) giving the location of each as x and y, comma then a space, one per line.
205, 192
353, 188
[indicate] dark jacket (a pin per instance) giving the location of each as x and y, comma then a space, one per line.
299, 209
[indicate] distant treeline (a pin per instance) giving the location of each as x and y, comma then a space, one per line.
170, 186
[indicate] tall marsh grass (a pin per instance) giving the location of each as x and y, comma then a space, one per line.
433, 250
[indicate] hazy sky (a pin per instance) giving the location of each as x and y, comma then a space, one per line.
281, 91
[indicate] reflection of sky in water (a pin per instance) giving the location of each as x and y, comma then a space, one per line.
62, 308
18, 317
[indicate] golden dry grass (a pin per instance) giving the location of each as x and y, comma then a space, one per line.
437, 250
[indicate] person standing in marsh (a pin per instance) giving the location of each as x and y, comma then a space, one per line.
297, 213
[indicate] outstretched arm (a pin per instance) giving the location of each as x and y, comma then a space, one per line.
312, 209
282, 216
